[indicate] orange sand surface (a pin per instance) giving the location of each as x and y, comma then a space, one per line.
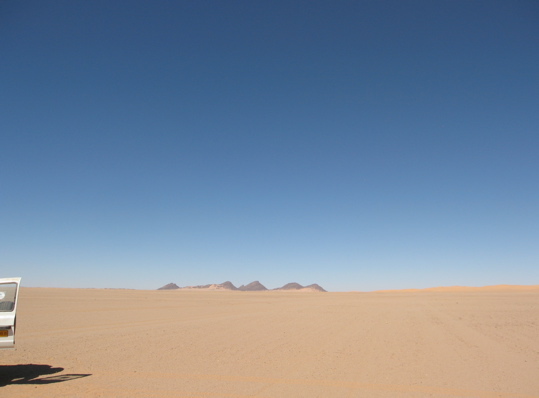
132, 343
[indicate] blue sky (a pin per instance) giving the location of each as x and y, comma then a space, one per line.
359, 145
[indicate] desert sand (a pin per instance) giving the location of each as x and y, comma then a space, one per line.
129, 343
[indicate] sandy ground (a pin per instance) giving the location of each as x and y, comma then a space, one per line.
127, 343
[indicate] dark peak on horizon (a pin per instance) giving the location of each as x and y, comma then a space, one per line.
253, 286
316, 286
290, 286
297, 286
228, 285
169, 286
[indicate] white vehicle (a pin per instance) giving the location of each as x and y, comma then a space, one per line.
9, 292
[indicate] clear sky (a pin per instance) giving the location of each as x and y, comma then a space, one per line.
360, 145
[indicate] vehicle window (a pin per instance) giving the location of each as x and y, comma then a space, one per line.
7, 296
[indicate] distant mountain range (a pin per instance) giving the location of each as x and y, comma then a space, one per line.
255, 286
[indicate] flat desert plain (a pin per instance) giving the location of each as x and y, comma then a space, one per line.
129, 343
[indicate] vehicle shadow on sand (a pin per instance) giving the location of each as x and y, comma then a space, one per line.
31, 374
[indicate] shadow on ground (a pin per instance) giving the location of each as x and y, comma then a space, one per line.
31, 374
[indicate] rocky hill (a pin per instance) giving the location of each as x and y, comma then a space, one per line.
214, 286
169, 286
255, 286
298, 287
290, 286
228, 286
315, 287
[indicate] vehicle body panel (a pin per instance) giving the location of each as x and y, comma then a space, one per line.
9, 294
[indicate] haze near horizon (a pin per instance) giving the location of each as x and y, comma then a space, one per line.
357, 145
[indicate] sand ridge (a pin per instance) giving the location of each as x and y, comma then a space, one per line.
456, 289
132, 343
